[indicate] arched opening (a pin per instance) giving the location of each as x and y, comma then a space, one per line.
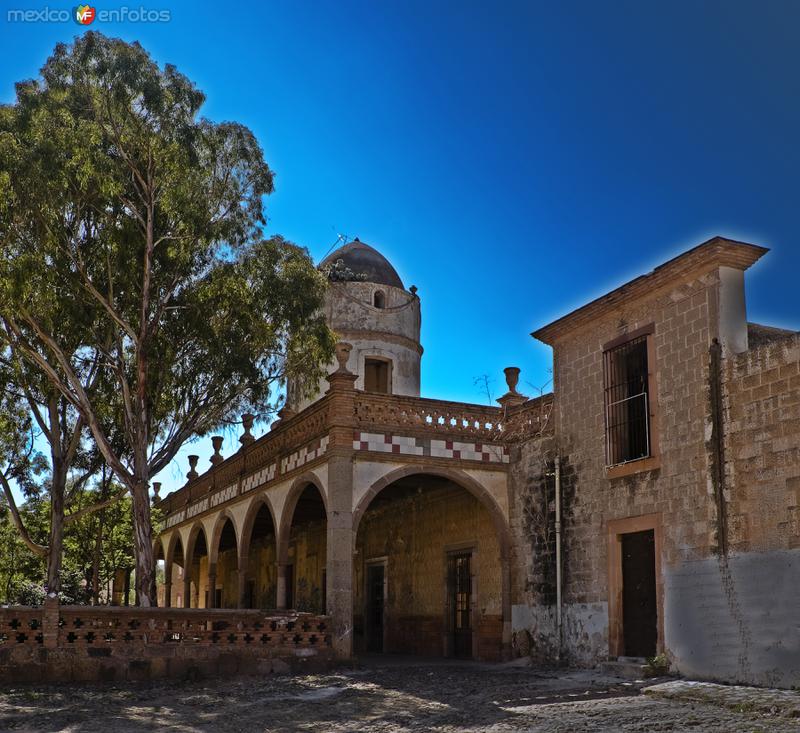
430, 572
224, 566
379, 299
258, 562
195, 581
304, 553
175, 570
160, 561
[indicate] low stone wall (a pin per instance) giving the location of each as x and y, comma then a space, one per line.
57, 643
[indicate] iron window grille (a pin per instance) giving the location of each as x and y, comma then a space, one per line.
627, 410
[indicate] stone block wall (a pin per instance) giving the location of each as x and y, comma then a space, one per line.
674, 487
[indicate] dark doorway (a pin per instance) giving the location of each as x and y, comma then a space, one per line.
250, 594
460, 597
639, 610
374, 614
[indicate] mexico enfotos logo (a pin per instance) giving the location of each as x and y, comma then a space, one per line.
88, 14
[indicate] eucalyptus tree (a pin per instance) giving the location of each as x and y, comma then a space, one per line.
127, 214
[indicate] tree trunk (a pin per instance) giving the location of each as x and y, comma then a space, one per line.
57, 491
55, 549
143, 544
98, 546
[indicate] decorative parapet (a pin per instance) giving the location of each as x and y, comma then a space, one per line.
254, 465
477, 424
378, 423
55, 643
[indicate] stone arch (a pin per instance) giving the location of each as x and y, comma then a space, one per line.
172, 545
196, 532
159, 549
216, 534
173, 554
486, 500
247, 526
464, 480
249, 593
290, 505
302, 583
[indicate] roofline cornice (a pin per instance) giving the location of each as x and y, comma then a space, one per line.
716, 252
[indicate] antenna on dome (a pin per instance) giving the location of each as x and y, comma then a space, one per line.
339, 238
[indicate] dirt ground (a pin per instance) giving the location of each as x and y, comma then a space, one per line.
381, 696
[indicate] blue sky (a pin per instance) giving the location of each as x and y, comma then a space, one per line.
513, 160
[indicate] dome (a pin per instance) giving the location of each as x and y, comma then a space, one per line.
366, 264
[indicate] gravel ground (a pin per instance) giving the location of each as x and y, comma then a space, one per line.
386, 697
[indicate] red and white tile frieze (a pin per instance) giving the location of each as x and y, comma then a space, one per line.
410, 446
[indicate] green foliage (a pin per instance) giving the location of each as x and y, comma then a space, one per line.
657, 666
339, 272
104, 537
131, 243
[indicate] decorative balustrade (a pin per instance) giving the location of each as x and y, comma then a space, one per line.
21, 625
102, 626
422, 416
61, 643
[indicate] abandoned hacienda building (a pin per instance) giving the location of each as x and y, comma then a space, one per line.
650, 504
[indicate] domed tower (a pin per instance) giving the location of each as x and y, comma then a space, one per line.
368, 307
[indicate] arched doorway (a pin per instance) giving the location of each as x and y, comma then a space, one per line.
302, 555
431, 574
195, 576
223, 566
258, 558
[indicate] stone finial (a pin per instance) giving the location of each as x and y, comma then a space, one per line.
156, 490
247, 423
193, 467
512, 378
216, 442
512, 397
343, 350
413, 290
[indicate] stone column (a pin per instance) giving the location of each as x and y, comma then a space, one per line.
167, 585
241, 578
187, 588
280, 586
212, 586
340, 553
340, 504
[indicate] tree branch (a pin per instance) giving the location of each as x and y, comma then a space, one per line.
34, 547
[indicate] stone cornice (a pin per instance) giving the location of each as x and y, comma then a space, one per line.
716, 252
392, 338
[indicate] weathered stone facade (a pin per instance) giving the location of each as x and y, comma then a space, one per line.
363, 502
718, 488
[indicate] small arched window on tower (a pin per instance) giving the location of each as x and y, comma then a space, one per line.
379, 299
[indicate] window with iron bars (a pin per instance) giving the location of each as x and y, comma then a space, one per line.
625, 373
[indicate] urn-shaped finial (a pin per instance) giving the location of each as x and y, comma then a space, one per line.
343, 350
216, 442
247, 423
512, 378
193, 467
